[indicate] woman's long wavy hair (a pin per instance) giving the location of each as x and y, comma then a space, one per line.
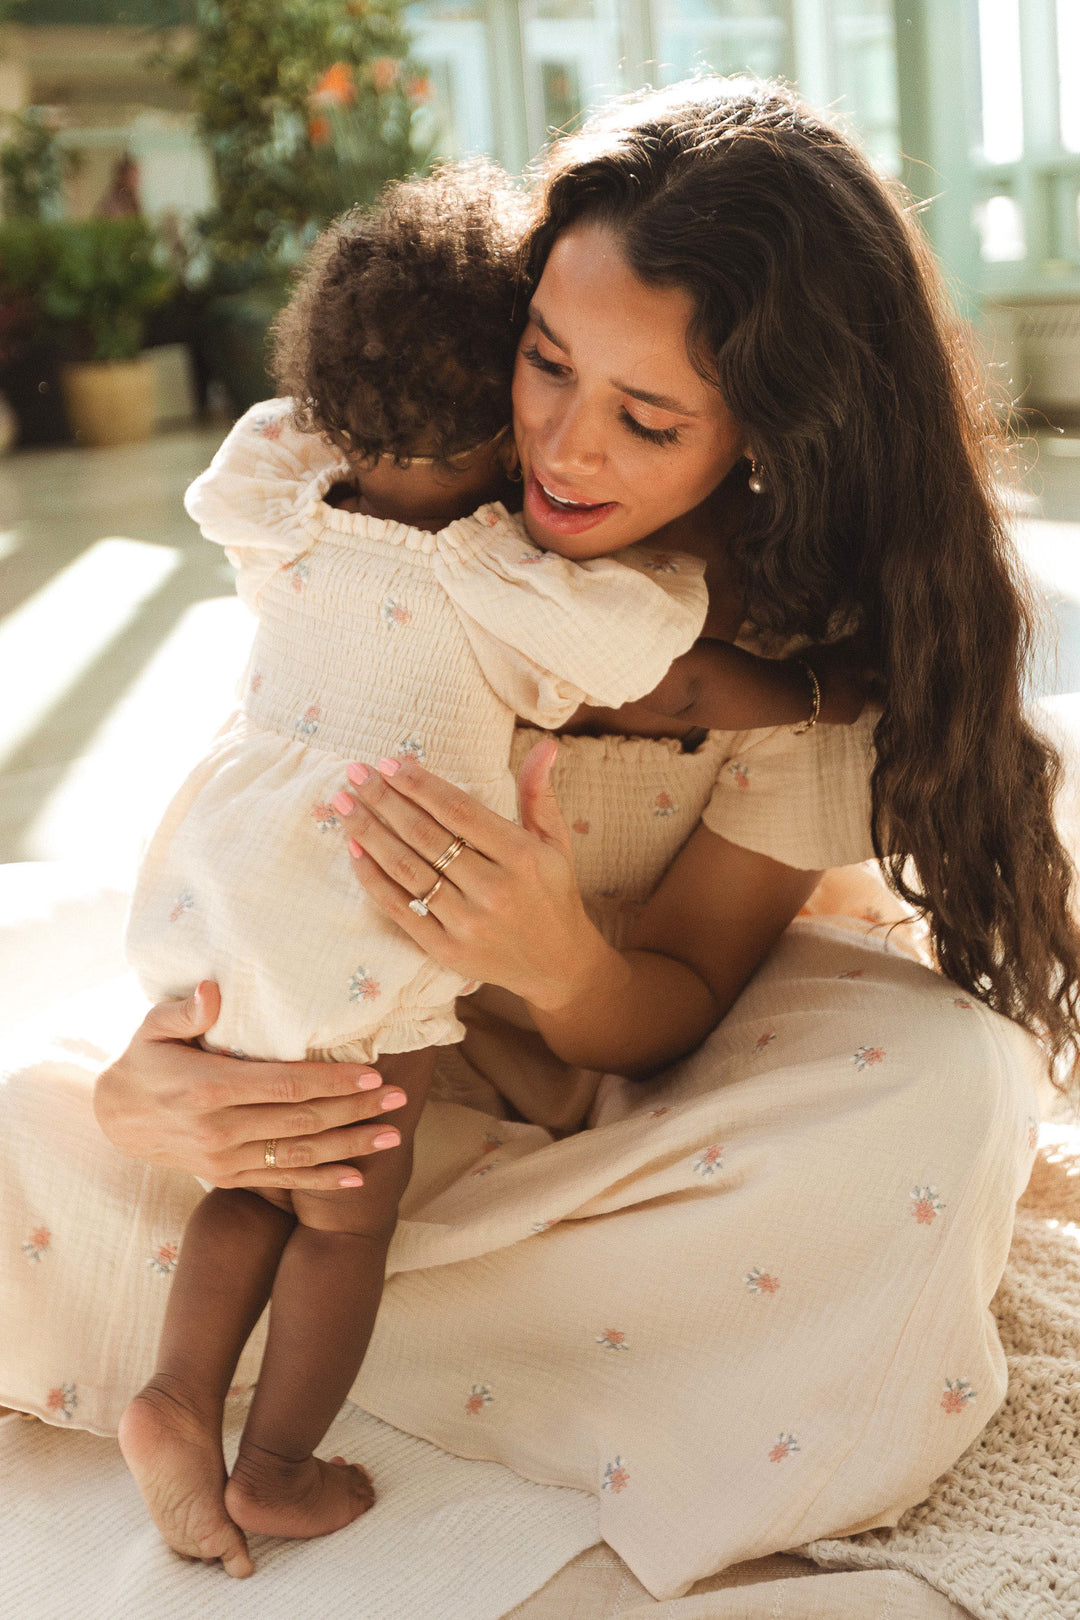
822, 320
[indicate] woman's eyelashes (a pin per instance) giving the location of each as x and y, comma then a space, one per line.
552, 368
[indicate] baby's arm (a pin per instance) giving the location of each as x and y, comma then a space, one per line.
723, 688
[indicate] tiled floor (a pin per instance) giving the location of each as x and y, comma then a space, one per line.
120, 636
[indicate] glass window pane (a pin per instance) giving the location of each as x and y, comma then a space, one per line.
864, 73
1000, 224
1068, 43
1002, 95
729, 36
450, 45
572, 55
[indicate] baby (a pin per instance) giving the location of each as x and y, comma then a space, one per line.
401, 610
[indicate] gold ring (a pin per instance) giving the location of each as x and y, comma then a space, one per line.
270, 1154
449, 855
421, 906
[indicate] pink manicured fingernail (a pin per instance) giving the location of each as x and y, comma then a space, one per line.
355, 849
357, 773
351, 1181
389, 767
394, 1099
369, 1082
386, 1139
343, 804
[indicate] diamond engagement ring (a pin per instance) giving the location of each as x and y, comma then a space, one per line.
270, 1154
421, 906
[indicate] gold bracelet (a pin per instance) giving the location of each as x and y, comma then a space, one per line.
815, 707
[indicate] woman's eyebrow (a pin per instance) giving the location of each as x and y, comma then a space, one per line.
663, 402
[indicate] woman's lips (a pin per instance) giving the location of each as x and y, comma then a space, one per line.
563, 519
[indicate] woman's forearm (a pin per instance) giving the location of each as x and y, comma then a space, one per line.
629, 1012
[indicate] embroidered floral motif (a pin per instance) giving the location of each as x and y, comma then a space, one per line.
865, 1056
63, 1400
362, 987
656, 1112
739, 773
37, 1244
785, 1444
488, 517
395, 613
711, 1160
267, 427
483, 1169
532, 556
300, 574
541, 1226
412, 748
1032, 1133
616, 1477
164, 1259
962, 1002
761, 1282
871, 915
236, 1390
256, 680
957, 1394
851, 973
183, 902
765, 1039
661, 562
308, 723
613, 1339
925, 1204
479, 1396
491, 1142
324, 818
581, 826
664, 805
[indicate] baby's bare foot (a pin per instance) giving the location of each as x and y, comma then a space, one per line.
179, 1468
272, 1497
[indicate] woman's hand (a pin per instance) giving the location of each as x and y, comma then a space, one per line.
508, 910
173, 1104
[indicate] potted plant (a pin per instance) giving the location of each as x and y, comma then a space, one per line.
306, 108
93, 282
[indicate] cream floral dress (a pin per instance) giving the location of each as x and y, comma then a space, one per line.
745, 1303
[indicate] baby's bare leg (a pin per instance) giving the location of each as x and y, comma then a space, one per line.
170, 1434
326, 1295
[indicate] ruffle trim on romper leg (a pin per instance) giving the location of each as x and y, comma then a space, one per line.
410, 1032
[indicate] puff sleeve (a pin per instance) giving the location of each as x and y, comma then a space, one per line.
804, 800
551, 633
258, 496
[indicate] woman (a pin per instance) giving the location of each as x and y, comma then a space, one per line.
766, 1267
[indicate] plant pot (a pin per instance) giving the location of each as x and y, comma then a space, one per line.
110, 401
32, 384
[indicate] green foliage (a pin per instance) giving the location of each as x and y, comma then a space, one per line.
33, 165
305, 107
91, 282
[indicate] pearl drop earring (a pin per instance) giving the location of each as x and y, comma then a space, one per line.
755, 483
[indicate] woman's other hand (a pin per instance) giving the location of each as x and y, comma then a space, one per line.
508, 910
168, 1101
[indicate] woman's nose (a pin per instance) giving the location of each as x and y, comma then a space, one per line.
571, 442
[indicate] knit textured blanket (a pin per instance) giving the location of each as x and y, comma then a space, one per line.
1000, 1535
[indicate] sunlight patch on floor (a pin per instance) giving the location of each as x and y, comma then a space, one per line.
112, 797
47, 643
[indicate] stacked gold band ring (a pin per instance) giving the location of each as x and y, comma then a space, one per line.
270, 1153
449, 854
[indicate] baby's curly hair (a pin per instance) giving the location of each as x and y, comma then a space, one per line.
400, 335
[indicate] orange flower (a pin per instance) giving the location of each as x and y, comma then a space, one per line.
336, 88
419, 88
384, 73
319, 131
